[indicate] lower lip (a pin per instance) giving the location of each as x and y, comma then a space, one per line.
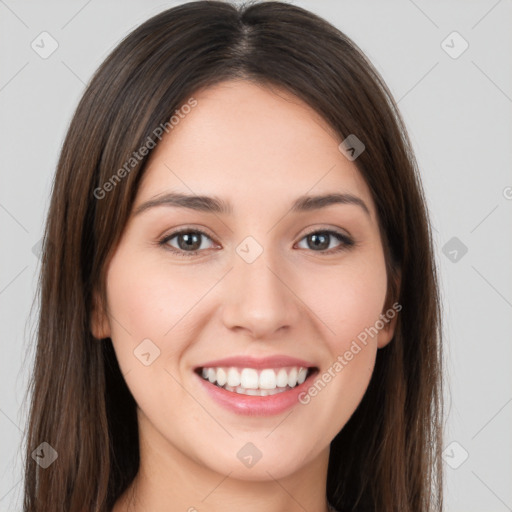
256, 405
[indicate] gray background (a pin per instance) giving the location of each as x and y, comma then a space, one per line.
458, 111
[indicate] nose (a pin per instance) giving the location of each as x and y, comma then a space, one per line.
258, 298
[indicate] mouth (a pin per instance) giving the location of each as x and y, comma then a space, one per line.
257, 382
247, 385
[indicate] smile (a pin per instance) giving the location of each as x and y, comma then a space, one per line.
255, 387
256, 382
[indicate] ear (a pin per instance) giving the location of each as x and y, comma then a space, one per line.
99, 324
390, 315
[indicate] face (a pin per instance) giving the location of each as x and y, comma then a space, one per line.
255, 291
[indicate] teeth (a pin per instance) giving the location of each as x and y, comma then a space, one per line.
249, 381
233, 378
292, 377
268, 379
302, 375
249, 378
222, 377
282, 378
256, 392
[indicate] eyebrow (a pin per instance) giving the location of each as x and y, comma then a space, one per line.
215, 204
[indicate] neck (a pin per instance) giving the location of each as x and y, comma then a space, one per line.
170, 481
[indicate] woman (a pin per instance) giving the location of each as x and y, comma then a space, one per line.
239, 302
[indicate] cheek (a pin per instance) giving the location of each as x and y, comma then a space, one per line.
146, 301
349, 306
348, 301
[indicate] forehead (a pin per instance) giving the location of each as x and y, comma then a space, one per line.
251, 144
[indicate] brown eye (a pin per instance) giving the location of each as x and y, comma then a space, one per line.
189, 241
320, 241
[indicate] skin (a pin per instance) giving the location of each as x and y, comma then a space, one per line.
260, 150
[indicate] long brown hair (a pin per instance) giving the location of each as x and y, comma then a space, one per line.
387, 457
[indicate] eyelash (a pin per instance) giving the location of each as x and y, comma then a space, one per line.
346, 242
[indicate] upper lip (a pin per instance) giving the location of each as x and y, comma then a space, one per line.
279, 361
